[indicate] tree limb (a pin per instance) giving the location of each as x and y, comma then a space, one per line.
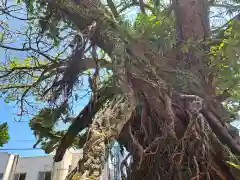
221, 132
82, 121
113, 8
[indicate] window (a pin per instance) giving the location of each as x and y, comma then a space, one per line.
44, 176
20, 176
1, 176
69, 169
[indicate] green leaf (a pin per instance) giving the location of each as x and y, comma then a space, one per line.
19, 1
56, 42
233, 164
185, 48
4, 136
6, 101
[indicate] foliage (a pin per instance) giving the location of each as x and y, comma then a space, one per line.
43, 126
4, 136
226, 57
155, 27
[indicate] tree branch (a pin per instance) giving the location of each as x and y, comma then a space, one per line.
27, 49
221, 132
82, 121
113, 8
225, 5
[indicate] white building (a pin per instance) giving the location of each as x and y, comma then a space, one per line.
14, 167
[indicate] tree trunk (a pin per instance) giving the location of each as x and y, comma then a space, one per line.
171, 131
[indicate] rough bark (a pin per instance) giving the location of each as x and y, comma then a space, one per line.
192, 19
106, 126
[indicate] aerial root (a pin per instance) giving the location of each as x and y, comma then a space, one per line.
188, 157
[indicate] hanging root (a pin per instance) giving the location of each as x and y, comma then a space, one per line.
192, 155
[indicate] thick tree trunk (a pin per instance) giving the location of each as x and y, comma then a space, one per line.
192, 19
169, 133
107, 124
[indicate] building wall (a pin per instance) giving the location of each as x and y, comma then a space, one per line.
69, 162
3, 161
75, 158
61, 169
33, 165
7, 162
11, 167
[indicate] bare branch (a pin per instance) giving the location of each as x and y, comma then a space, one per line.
18, 18
221, 132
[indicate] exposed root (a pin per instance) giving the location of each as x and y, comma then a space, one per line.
192, 156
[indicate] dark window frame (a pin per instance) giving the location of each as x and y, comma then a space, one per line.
1, 176
20, 176
46, 175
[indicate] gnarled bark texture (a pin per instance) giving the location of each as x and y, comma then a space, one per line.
171, 130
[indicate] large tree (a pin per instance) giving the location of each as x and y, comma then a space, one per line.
165, 84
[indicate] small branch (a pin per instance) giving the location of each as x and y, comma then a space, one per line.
113, 8
15, 49
15, 87
227, 6
11, 70
22, 19
142, 6
27, 49
221, 132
